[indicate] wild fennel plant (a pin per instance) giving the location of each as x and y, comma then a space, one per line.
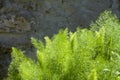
87, 54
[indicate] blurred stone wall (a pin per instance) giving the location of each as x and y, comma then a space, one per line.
21, 19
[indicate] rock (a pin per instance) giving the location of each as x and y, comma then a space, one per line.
116, 7
1, 3
4, 61
18, 24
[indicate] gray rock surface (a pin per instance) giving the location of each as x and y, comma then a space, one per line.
22, 19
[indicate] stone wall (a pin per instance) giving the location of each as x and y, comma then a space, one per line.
22, 19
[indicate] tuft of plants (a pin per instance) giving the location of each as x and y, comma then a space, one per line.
87, 54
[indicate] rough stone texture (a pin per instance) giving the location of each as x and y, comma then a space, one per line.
4, 61
22, 19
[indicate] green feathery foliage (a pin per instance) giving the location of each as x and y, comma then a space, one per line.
73, 56
93, 75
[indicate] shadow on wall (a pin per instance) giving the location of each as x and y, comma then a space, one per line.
4, 61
